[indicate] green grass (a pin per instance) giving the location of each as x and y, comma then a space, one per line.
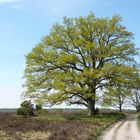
103, 117
138, 121
100, 122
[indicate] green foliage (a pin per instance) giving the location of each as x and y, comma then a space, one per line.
79, 58
135, 92
116, 96
19, 111
41, 112
26, 109
38, 107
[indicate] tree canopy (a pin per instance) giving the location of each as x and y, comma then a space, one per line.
78, 59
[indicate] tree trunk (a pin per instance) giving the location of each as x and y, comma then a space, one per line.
137, 108
92, 101
120, 107
121, 100
91, 107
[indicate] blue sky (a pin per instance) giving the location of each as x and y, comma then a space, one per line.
24, 22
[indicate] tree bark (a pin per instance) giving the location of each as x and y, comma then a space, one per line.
137, 108
92, 100
91, 107
120, 108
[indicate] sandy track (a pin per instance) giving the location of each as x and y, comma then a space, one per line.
123, 130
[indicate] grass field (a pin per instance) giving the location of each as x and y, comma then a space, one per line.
139, 121
59, 126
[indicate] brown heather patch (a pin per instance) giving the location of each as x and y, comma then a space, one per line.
18, 128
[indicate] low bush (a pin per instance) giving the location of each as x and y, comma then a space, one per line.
42, 112
38, 107
26, 109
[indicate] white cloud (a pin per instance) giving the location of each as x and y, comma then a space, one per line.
18, 6
8, 1
15, 4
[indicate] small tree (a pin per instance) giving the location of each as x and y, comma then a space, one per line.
26, 109
135, 99
135, 90
116, 96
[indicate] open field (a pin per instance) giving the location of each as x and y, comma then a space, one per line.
68, 126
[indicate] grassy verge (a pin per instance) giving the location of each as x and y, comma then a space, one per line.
138, 121
64, 126
93, 128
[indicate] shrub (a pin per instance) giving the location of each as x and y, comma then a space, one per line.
19, 111
96, 111
39, 110
38, 107
26, 109
42, 112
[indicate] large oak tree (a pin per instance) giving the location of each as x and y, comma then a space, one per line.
78, 59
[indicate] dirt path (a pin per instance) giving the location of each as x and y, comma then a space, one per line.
123, 130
